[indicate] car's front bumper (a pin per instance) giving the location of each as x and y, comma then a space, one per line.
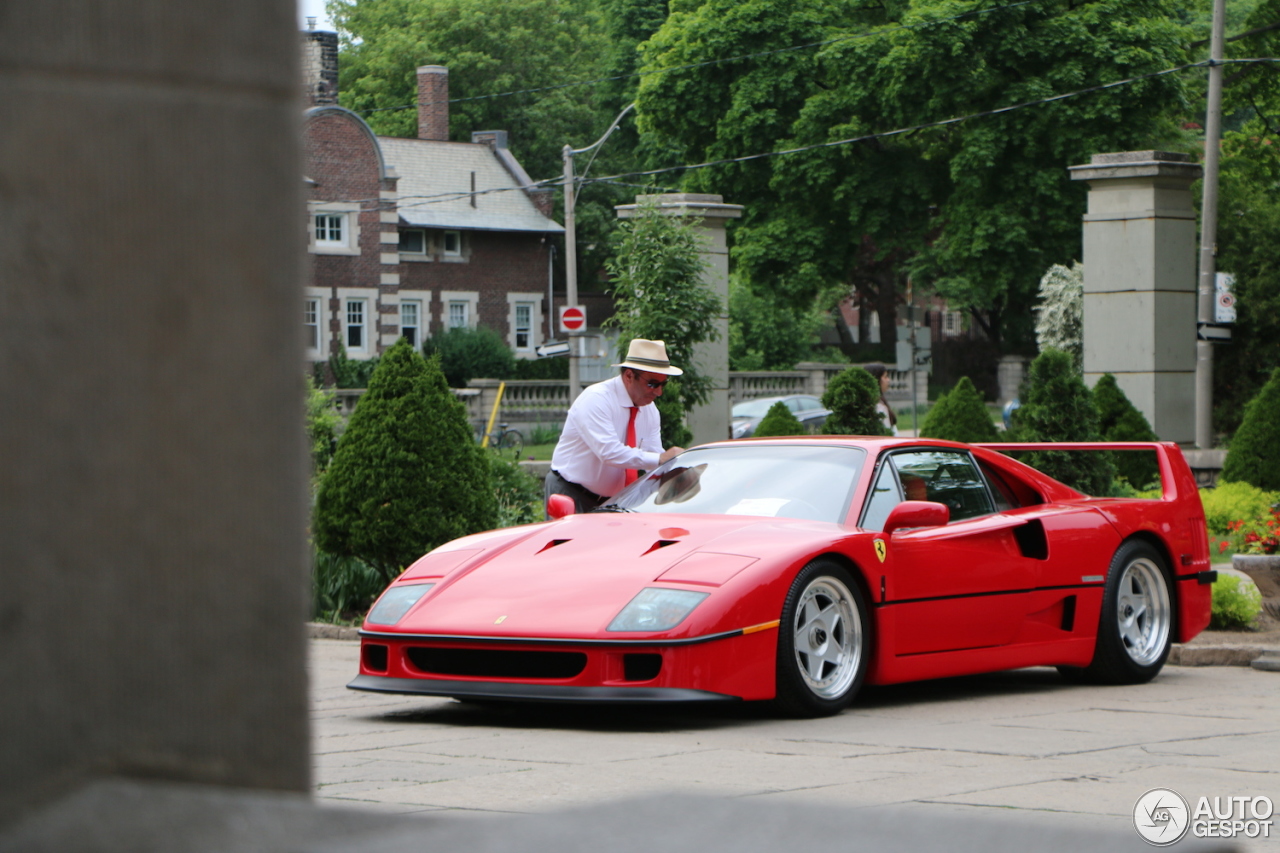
526, 692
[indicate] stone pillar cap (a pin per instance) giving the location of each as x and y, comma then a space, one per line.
706, 205
1137, 164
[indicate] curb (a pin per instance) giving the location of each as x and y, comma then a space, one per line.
325, 631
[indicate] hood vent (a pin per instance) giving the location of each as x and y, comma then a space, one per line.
553, 543
661, 543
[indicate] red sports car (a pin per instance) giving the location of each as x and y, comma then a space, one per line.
797, 570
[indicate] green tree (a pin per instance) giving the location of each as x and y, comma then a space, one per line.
778, 421
1254, 455
976, 209
407, 475
851, 396
659, 295
766, 333
467, 354
1120, 420
960, 415
1060, 314
322, 424
1059, 407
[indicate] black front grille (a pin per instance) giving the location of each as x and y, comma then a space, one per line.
641, 666
497, 663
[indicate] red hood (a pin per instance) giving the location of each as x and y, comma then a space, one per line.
533, 587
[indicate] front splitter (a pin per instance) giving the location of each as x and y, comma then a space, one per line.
535, 692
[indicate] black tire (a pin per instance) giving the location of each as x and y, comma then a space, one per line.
1135, 629
824, 642
511, 442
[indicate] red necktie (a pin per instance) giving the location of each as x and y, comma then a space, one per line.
632, 474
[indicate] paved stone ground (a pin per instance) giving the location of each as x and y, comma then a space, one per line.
1023, 746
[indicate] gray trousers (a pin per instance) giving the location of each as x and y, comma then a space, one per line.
583, 499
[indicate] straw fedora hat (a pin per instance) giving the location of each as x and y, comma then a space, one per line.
649, 356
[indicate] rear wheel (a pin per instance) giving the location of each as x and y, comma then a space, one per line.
823, 642
511, 442
1135, 631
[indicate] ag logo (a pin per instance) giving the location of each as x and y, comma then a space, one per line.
1161, 817
881, 549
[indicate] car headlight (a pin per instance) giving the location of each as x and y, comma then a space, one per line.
657, 609
395, 603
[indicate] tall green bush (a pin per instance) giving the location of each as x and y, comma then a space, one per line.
779, 421
407, 475
851, 396
960, 415
1254, 454
322, 424
1120, 420
467, 354
1060, 408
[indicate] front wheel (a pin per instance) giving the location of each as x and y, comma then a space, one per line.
512, 442
824, 642
1135, 631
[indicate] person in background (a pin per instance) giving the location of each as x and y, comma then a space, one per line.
613, 430
881, 373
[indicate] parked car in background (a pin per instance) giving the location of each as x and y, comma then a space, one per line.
748, 414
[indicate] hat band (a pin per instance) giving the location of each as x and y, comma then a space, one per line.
651, 361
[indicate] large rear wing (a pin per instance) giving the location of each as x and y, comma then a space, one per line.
1176, 479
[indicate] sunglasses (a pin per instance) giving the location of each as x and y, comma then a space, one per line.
654, 383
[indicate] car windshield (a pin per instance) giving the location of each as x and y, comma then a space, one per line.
812, 482
754, 408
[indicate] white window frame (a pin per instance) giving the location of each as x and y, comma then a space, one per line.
425, 254
471, 299
346, 296
318, 301
416, 309
456, 251
534, 302
349, 215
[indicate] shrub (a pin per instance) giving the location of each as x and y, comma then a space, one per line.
348, 373
1120, 420
1254, 455
342, 587
779, 421
1059, 408
1259, 536
851, 396
1236, 603
467, 354
540, 368
1235, 502
407, 475
518, 493
1060, 314
322, 424
960, 415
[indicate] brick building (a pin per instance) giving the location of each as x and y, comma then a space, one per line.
412, 236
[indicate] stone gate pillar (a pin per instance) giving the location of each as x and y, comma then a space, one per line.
710, 421
1140, 283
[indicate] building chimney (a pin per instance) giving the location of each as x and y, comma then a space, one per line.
433, 102
320, 66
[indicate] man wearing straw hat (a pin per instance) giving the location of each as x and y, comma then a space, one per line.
612, 431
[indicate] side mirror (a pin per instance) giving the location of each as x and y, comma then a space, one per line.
558, 506
917, 514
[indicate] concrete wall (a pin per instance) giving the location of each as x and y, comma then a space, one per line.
151, 254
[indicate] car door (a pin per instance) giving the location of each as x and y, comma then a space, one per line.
963, 585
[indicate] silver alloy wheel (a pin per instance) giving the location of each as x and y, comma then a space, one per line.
828, 637
1143, 612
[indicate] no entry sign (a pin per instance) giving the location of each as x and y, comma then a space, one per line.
572, 318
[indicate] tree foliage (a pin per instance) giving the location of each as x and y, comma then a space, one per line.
322, 424
1254, 454
779, 420
1120, 420
467, 354
960, 415
659, 295
976, 209
1059, 407
407, 475
1060, 314
851, 396
767, 333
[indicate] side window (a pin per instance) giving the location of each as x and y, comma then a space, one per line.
885, 495
945, 477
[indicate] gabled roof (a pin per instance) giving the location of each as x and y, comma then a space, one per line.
435, 187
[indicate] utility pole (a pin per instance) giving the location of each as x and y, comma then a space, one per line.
571, 249
1209, 233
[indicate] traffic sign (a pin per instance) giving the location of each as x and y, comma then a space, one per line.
552, 348
1213, 332
573, 318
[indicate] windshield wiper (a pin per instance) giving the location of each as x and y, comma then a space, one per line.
611, 508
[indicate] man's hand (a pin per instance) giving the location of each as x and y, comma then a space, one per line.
668, 453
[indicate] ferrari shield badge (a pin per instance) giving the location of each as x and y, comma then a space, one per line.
881, 549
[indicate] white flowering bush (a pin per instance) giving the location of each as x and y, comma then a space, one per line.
1060, 314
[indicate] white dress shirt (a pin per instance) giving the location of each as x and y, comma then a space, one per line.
593, 451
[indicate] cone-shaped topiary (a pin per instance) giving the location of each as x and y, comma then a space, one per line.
1254, 454
408, 474
851, 396
1060, 408
1120, 420
779, 421
960, 415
